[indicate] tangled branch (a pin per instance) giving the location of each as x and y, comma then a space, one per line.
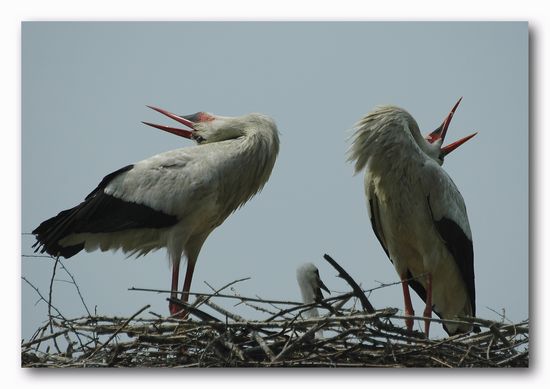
342, 336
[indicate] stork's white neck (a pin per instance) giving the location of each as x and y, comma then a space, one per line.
245, 163
391, 134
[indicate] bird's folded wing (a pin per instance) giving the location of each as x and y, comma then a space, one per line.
448, 212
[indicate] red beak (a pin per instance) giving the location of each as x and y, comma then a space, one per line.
176, 131
447, 149
441, 131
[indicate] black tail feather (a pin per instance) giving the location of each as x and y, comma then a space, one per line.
98, 213
50, 232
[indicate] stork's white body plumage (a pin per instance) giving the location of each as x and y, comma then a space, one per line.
174, 199
417, 213
201, 185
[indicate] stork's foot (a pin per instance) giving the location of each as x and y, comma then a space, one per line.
177, 311
408, 321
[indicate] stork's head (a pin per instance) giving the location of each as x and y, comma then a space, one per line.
207, 128
435, 139
310, 283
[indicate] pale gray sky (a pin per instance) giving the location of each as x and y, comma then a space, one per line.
84, 91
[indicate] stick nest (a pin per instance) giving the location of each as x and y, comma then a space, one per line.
348, 333
342, 338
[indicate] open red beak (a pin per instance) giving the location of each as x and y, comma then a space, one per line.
176, 131
447, 149
441, 131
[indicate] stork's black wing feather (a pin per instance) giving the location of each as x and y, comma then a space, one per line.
377, 228
462, 250
98, 213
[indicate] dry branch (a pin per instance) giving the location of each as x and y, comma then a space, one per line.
367, 306
366, 339
350, 338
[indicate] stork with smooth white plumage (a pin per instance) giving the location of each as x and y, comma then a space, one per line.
173, 200
417, 212
310, 284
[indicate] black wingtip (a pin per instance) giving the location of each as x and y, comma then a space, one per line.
47, 238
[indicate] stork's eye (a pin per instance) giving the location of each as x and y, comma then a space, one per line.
197, 138
441, 157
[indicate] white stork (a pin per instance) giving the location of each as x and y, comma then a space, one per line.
310, 284
174, 199
417, 212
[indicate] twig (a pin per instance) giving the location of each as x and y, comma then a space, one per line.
37, 256
220, 295
224, 311
117, 331
513, 357
191, 309
264, 346
498, 335
77, 288
464, 356
367, 306
233, 348
217, 291
49, 310
307, 335
440, 361
44, 338
283, 312
40, 295
50, 302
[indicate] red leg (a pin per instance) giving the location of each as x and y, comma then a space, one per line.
408, 304
428, 309
174, 308
187, 282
